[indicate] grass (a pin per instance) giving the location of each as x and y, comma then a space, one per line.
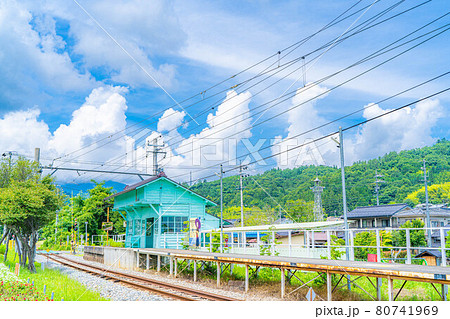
62, 285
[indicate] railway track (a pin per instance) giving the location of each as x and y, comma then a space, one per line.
165, 289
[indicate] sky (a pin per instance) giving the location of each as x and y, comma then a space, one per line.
94, 84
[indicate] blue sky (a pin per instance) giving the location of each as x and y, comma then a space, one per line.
75, 74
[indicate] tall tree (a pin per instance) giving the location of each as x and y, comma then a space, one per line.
27, 203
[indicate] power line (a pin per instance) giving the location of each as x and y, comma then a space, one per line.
296, 45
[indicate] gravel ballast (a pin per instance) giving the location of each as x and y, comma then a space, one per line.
107, 289
208, 286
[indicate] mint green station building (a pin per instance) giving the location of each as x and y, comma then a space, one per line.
158, 209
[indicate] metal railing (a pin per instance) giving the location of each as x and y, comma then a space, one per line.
313, 245
101, 239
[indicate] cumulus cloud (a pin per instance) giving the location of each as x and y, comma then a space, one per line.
91, 127
102, 114
405, 129
145, 29
32, 57
22, 131
216, 143
302, 118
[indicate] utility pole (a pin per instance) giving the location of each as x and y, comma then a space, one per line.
344, 200
377, 187
241, 191
221, 208
157, 149
56, 228
107, 232
426, 204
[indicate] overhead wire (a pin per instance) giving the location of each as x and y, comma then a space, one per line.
383, 20
296, 45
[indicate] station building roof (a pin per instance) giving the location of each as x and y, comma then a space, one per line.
151, 180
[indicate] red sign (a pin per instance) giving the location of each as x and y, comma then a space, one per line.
372, 258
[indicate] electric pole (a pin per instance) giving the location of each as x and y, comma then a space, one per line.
241, 168
426, 204
221, 208
344, 200
157, 149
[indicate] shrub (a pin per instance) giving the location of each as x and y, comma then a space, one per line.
112, 243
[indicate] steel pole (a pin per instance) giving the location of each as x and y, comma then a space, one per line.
221, 207
426, 205
344, 199
242, 198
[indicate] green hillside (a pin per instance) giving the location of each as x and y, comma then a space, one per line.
401, 172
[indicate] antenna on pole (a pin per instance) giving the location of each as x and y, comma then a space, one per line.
157, 149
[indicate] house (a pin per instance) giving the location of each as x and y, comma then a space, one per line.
436, 235
439, 215
395, 215
375, 216
158, 210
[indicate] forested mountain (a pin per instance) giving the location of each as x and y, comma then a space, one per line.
402, 173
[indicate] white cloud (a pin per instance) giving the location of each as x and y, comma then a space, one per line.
214, 144
303, 117
32, 56
102, 114
170, 120
145, 29
405, 129
92, 127
22, 131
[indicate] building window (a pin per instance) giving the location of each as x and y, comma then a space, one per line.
385, 223
137, 227
173, 224
365, 223
435, 223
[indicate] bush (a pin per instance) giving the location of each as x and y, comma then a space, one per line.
2, 249
112, 243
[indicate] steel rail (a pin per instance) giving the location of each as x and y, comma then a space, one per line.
103, 271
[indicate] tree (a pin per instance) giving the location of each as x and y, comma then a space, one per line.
417, 237
25, 207
300, 211
367, 238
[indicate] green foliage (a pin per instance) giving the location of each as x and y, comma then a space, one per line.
62, 285
336, 252
368, 238
27, 203
437, 193
252, 215
112, 243
417, 237
90, 208
266, 243
401, 171
215, 241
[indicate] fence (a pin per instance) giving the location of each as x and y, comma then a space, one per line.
101, 239
319, 243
